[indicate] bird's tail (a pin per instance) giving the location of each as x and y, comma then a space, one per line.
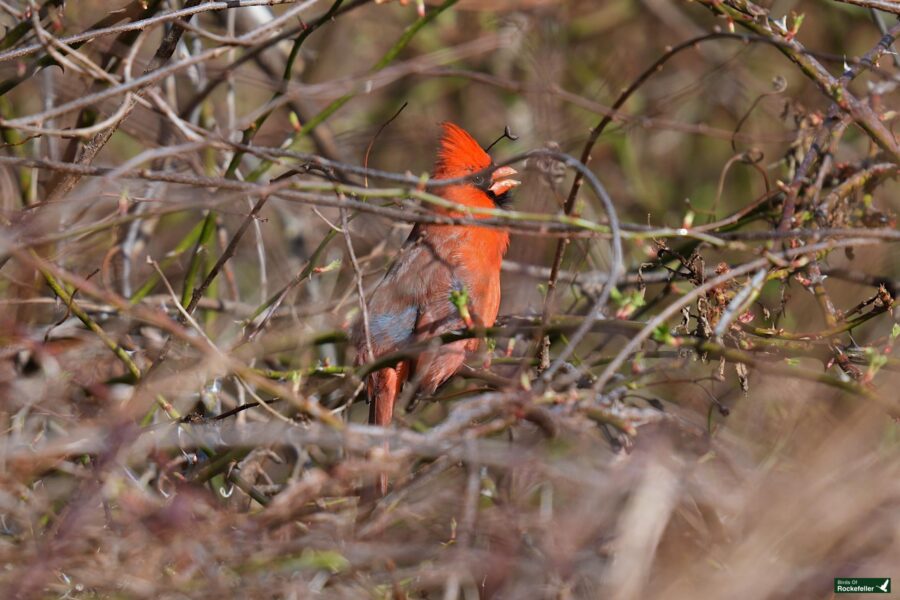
383, 390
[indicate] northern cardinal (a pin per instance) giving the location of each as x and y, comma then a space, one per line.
420, 296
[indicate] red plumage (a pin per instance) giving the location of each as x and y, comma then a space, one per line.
413, 301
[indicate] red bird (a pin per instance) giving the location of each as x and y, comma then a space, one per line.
413, 302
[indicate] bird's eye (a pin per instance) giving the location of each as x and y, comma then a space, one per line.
478, 180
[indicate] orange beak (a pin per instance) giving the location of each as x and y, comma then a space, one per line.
500, 182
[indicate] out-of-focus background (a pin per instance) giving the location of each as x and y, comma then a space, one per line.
747, 447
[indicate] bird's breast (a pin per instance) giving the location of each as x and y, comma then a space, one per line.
473, 256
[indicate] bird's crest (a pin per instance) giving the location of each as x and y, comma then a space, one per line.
459, 153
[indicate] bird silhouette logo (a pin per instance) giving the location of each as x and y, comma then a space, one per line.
885, 587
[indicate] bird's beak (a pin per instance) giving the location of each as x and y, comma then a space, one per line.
500, 182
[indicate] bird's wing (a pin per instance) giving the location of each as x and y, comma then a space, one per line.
394, 311
396, 307
412, 303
